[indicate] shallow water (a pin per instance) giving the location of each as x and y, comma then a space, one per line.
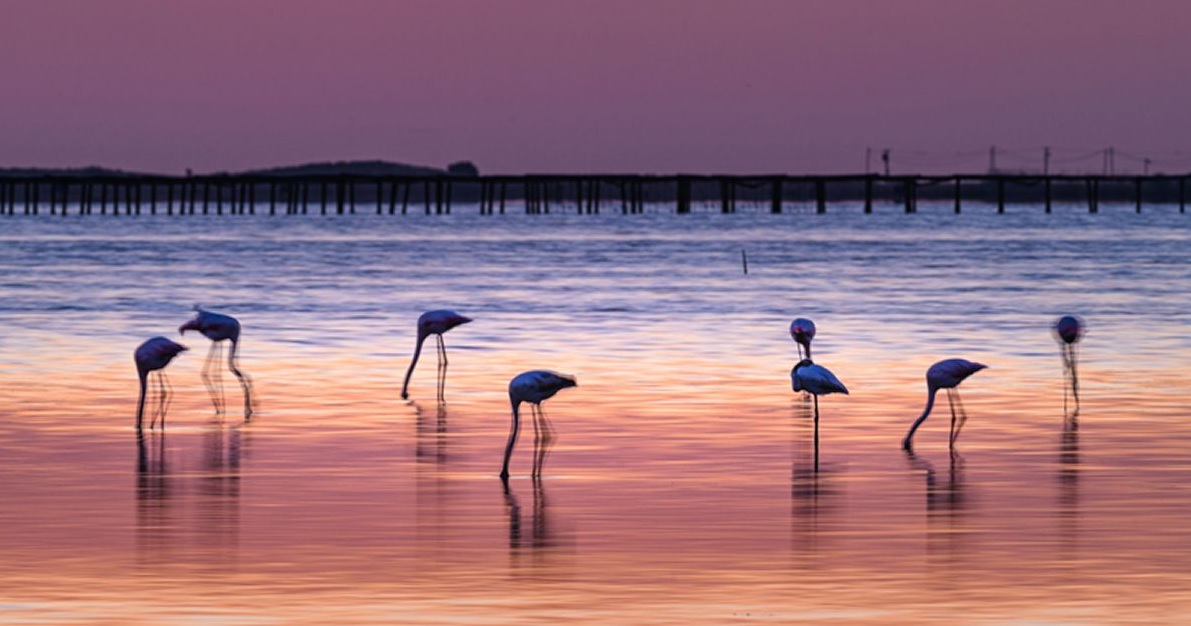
682, 488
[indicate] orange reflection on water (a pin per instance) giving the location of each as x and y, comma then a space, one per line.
683, 489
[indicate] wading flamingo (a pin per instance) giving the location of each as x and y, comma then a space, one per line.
433, 323
1068, 331
816, 380
803, 331
533, 387
153, 356
219, 327
946, 374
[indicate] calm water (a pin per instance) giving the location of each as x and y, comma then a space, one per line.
682, 488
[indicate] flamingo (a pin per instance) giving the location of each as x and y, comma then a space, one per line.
802, 331
816, 380
433, 323
153, 356
946, 374
533, 387
1068, 331
219, 327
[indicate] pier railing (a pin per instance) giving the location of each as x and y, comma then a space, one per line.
582, 193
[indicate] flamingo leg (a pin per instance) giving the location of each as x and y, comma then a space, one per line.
245, 381
816, 433
951, 403
1074, 375
513, 430
442, 368
543, 439
963, 415
211, 375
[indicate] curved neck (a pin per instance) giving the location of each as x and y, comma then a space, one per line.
412, 363
908, 443
140, 405
516, 426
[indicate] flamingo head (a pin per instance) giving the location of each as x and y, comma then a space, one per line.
438, 322
1069, 329
190, 325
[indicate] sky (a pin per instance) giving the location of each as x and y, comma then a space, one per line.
608, 86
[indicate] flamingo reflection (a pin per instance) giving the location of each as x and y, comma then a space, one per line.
1069, 329
534, 387
809, 487
219, 328
154, 489
541, 531
431, 440
1068, 476
433, 323
151, 357
946, 374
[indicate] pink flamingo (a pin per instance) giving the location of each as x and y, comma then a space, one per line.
1068, 331
152, 356
803, 331
946, 374
816, 380
533, 387
219, 327
433, 323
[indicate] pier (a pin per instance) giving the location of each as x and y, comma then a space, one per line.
346, 194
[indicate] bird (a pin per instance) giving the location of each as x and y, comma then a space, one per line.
816, 380
219, 327
533, 387
802, 331
152, 356
433, 323
1069, 330
946, 374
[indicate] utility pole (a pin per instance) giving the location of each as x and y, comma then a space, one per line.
885, 158
1046, 160
1146, 163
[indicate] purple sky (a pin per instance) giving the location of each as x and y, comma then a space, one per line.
596, 85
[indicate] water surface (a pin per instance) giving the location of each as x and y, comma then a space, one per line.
683, 487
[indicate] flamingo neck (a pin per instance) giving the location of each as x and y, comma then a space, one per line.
412, 363
908, 442
513, 429
140, 405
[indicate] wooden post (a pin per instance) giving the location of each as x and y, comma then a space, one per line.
1093, 195
1183, 195
959, 192
322, 195
392, 197
1046, 192
351, 196
684, 195
868, 195
909, 189
725, 196
1137, 192
502, 197
405, 196
775, 200
820, 196
1000, 194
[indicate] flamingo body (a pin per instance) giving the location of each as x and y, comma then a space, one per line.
815, 379
219, 327
432, 323
533, 387
151, 356
802, 331
1069, 329
946, 374
213, 326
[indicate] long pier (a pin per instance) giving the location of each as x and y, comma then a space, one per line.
340, 194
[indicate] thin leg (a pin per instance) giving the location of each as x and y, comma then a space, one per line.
442, 369
816, 433
951, 403
963, 415
211, 375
